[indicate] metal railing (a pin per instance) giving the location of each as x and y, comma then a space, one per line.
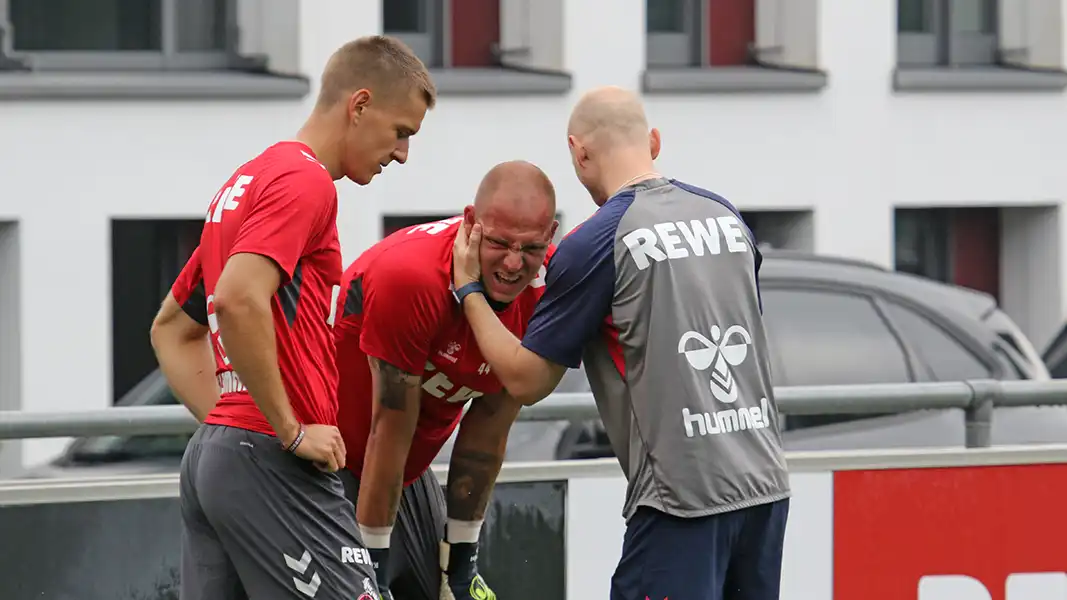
976, 398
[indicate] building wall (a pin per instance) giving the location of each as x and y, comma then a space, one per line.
849, 152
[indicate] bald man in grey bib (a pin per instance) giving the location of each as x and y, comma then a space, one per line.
658, 294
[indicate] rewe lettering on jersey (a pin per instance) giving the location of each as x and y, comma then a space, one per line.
680, 239
226, 199
1017, 586
438, 384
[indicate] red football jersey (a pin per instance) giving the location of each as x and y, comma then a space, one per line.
281, 205
398, 307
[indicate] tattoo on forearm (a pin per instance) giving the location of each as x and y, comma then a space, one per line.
395, 384
471, 475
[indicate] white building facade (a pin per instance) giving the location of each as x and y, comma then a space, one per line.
934, 139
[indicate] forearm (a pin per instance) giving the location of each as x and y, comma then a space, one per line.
382, 481
472, 472
393, 419
247, 329
478, 454
523, 374
189, 367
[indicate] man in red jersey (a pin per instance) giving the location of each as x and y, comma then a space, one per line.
264, 513
409, 364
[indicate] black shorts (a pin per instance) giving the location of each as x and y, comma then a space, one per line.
415, 547
260, 523
728, 556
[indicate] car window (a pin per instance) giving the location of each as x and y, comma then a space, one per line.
830, 338
151, 391
943, 356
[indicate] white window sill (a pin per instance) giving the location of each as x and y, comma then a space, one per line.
98, 85
718, 80
977, 79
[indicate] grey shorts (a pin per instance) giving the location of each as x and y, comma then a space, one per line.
415, 548
259, 523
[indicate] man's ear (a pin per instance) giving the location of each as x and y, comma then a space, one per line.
468, 215
654, 142
357, 103
555, 226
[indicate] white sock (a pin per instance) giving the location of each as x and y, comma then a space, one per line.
376, 538
463, 532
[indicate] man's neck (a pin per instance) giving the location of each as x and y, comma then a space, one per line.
324, 143
623, 175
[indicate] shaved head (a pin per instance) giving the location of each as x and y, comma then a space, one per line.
517, 187
609, 116
516, 208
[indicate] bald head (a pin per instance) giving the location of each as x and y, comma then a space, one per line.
609, 116
516, 187
516, 209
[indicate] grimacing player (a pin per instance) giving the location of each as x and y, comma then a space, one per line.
409, 363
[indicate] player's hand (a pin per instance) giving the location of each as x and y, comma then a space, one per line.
460, 579
466, 260
322, 445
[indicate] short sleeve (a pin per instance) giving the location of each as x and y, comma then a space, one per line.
403, 304
579, 287
188, 289
289, 213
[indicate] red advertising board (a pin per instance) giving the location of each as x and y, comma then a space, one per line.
958, 533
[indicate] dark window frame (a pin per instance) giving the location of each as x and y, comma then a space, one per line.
168, 58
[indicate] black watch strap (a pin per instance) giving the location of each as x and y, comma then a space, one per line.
471, 288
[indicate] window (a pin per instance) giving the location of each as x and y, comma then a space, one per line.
446, 34
123, 34
922, 242
829, 338
946, 32
146, 257
418, 24
699, 33
943, 357
393, 223
10, 345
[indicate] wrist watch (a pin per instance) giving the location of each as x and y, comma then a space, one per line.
474, 287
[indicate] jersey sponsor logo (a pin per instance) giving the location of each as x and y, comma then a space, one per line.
435, 227
439, 385
679, 239
226, 199
358, 556
724, 352
1017, 586
213, 328
230, 383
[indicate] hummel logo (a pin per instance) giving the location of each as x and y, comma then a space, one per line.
484, 369
311, 587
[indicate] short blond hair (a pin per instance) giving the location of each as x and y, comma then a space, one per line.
379, 63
